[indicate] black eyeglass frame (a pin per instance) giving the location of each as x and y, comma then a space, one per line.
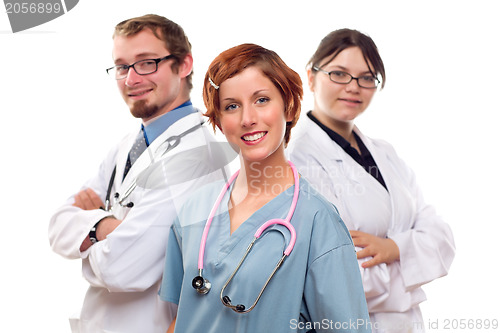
127, 67
377, 81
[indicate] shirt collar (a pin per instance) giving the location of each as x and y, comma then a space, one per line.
343, 143
157, 126
362, 148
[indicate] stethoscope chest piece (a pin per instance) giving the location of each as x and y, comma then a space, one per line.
201, 285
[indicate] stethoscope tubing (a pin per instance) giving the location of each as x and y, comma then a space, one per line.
285, 222
203, 285
201, 253
236, 307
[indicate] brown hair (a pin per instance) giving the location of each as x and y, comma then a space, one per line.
339, 40
165, 30
234, 60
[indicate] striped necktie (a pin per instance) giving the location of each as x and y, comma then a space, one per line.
137, 149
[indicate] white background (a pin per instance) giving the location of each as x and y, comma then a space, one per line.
60, 114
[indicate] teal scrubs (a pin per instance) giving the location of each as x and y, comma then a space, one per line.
317, 288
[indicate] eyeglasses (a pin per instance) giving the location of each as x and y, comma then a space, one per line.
141, 67
366, 81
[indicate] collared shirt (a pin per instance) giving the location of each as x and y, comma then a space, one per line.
365, 159
157, 126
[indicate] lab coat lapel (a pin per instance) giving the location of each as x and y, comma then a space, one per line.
331, 157
160, 145
387, 167
120, 186
325, 144
140, 164
121, 160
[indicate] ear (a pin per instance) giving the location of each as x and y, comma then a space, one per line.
186, 66
310, 79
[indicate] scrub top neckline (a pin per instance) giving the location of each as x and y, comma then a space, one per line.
228, 241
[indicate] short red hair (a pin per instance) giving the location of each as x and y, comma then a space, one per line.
234, 60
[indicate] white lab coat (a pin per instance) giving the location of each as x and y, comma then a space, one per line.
124, 270
425, 242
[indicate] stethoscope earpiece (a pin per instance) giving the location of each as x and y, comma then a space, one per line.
227, 302
201, 285
121, 201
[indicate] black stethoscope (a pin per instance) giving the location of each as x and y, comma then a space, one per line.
170, 143
203, 286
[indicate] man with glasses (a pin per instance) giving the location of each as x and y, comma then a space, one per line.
118, 223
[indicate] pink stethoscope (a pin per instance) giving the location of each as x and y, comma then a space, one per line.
203, 286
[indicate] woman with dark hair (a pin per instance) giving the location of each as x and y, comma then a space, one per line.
401, 242
300, 271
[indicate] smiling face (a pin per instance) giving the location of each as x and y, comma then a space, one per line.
337, 105
151, 95
253, 116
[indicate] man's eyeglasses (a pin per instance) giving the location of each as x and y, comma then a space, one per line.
366, 81
141, 67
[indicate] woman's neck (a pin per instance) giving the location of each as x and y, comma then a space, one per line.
343, 128
268, 180
257, 184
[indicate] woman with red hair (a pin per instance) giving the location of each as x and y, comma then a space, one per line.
299, 272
